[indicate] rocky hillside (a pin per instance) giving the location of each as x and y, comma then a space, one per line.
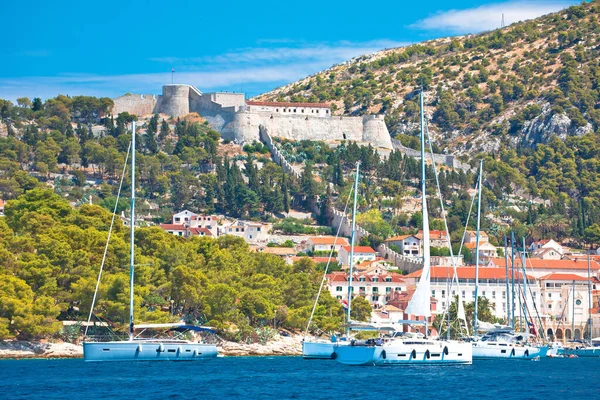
506, 88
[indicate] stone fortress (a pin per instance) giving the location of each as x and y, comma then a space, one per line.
241, 120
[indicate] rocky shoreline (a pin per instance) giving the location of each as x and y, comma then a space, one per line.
282, 346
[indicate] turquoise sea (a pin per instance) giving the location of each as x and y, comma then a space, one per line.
295, 378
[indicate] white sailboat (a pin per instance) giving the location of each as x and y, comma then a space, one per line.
411, 347
141, 349
321, 349
500, 342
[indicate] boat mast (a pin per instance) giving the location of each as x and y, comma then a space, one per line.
351, 269
590, 323
573, 314
506, 273
425, 213
477, 249
132, 228
523, 255
512, 267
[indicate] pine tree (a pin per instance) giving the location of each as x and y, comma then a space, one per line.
164, 131
286, 193
69, 132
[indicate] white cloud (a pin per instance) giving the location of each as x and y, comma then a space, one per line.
488, 17
260, 65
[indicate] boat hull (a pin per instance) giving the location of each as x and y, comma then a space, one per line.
147, 351
317, 350
406, 353
488, 350
581, 352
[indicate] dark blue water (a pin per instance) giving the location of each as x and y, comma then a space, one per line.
295, 378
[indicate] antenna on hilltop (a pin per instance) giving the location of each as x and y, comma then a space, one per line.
502, 23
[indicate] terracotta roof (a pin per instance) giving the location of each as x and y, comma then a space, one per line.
339, 276
400, 237
441, 272
474, 233
360, 249
200, 231
328, 240
318, 259
433, 234
280, 251
173, 227
537, 263
562, 277
286, 104
472, 246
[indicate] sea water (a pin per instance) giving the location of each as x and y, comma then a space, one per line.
295, 378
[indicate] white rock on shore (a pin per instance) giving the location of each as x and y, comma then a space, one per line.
281, 346
23, 349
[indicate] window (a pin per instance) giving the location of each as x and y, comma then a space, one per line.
483, 293
463, 294
326, 111
361, 289
388, 279
503, 294
549, 295
375, 298
302, 111
398, 289
294, 110
443, 294
375, 280
493, 294
257, 229
277, 110
338, 289
250, 236
433, 293
388, 289
549, 305
375, 290
339, 297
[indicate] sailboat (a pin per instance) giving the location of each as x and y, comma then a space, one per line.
141, 349
410, 347
318, 349
500, 342
588, 349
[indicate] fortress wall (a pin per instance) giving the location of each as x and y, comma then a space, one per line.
175, 100
244, 128
136, 104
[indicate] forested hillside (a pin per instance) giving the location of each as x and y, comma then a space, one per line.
525, 99
50, 255
515, 86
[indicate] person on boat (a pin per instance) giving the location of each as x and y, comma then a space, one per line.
333, 338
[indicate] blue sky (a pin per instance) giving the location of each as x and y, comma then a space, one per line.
111, 47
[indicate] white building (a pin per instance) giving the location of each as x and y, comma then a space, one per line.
409, 245
175, 229
492, 285
208, 222
486, 251
562, 308
375, 287
361, 253
325, 243
253, 232
182, 218
547, 244
303, 109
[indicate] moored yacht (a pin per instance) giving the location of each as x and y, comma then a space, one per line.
137, 348
504, 343
413, 347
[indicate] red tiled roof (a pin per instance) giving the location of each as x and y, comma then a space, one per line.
433, 234
199, 231
328, 240
468, 273
360, 249
286, 104
400, 237
537, 263
562, 277
339, 276
172, 227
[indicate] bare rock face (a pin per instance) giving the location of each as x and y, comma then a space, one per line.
546, 125
281, 346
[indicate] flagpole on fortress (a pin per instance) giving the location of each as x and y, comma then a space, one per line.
172, 75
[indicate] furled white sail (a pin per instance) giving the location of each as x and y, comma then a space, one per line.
419, 304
